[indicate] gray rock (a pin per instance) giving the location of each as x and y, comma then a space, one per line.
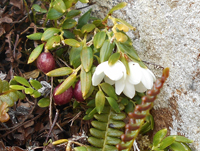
168, 35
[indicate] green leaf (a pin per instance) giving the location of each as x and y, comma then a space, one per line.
89, 92
167, 142
50, 32
69, 23
99, 39
73, 13
52, 42
36, 94
13, 96
22, 81
63, 71
106, 50
99, 101
21, 95
44, 102
117, 7
69, 81
54, 14
87, 28
17, 87
125, 62
113, 103
84, 1
74, 56
37, 8
182, 139
68, 3
90, 115
82, 148
29, 90
75, 104
125, 23
35, 36
128, 49
158, 137
72, 42
96, 141
68, 34
5, 86
129, 107
59, 5
84, 19
36, 84
1, 86
176, 146
109, 90
113, 58
86, 82
87, 58
35, 53
7, 99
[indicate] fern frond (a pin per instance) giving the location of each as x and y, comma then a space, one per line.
106, 131
137, 118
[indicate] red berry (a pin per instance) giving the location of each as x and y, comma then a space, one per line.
64, 97
45, 62
77, 92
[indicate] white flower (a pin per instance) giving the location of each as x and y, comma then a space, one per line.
115, 74
141, 78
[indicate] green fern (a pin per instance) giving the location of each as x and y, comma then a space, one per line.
7, 99
106, 130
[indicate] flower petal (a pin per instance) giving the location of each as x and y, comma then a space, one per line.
147, 79
115, 72
154, 78
108, 80
96, 79
135, 73
119, 85
101, 67
140, 87
129, 90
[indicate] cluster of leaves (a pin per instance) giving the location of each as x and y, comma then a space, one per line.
7, 99
82, 42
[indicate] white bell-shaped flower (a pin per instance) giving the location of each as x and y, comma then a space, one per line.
140, 77
114, 74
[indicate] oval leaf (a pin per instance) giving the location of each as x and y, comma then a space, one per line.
35, 53
72, 42
29, 90
87, 58
44, 102
75, 57
52, 42
63, 71
121, 37
113, 103
17, 87
176, 146
86, 82
117, 7
125, 62
73, 13
54, 14
126, 24
35, 36
109, 90
84, 19
113, 58
167, 142
69, 23
158, 137
36, 84
87, 28
99, 38
50, 32
66, 84
106, 50
59, 5
99, 101
22, 81
36, 94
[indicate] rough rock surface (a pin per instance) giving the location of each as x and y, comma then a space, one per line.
168, 35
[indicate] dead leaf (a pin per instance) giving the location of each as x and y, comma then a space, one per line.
6, 19
17, 3
32, 74
2, 31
